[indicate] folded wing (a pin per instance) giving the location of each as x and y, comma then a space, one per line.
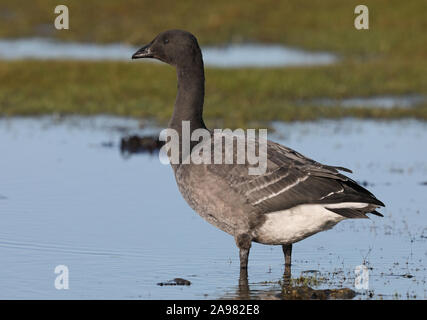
292, 179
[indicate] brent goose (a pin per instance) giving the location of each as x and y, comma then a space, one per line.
295, 198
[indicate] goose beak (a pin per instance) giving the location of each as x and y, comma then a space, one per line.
144, 52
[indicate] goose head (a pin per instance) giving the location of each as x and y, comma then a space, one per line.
175, 47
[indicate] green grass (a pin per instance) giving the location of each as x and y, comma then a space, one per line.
389, 58
236, 97
396, 27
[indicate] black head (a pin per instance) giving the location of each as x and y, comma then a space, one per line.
175, 47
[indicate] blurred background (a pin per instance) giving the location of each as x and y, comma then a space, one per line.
70, 98
386, 61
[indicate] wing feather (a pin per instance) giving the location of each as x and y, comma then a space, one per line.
292, 179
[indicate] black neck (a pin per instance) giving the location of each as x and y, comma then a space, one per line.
190, 96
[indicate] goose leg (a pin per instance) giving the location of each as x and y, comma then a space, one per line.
243, 242
244, 257
287, 251
243, 291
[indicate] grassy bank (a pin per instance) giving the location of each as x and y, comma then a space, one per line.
389, 58
396, 27
238, 97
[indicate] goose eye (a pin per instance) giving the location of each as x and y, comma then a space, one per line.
166, 41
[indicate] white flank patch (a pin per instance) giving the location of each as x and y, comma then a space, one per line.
297, 223
350, 205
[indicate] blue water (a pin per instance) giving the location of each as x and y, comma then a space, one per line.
384, 101
120, 225
230, 56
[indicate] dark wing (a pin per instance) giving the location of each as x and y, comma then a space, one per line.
292, 179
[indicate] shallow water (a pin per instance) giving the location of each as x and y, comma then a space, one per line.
384, 102
68, 197
245, 55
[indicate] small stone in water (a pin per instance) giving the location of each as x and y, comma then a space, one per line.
175, 282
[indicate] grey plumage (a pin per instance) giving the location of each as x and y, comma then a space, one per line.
311, 182
294, 190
